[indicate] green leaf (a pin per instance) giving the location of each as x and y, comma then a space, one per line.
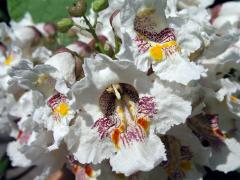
3, 166
41, 10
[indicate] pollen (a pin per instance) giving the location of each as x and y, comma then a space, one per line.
156, 53
8, 60
62, 109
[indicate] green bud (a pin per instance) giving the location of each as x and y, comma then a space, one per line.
64, 24
99, 5
108, 49
78, 9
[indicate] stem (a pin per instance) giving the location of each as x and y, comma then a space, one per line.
95, 21
93, 32
82, 28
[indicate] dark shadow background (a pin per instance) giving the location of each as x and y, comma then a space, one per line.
211, 175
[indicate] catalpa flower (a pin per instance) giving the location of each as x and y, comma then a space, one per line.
8, 58
32, 77
223, 77
122, 113
148, 39
225, 17
31, 149
182, 4
212, 134
56, 116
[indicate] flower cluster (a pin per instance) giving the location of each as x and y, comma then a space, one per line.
149, 90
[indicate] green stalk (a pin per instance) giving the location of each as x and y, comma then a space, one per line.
93, 32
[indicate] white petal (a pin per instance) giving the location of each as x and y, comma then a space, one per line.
179, 70
172, 109
139, 156
65, 64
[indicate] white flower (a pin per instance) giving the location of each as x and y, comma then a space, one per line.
148, 40
8, 59
26, 104
56, 116
123, 115
180, 163
34, 77
65, 64
189, 3
226, 17
217, 135
7, 101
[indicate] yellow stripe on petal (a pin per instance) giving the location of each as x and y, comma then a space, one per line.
156, 53
186, 165
62, 109
8, 60
234, 99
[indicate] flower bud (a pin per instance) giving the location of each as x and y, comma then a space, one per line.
64, 24
50, 29
78, 9
99, 5
102, 40
108, 49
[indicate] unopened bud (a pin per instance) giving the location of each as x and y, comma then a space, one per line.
102, 40
64, 24
50, 29
99, 5
78, 9
109, 50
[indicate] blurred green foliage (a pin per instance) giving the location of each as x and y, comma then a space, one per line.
41, 10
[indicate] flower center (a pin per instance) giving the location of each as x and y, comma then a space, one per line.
129, 119
153, 35
62, 109
206, 128
59, 106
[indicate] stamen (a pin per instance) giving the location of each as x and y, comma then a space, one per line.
115, 88
128, 121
